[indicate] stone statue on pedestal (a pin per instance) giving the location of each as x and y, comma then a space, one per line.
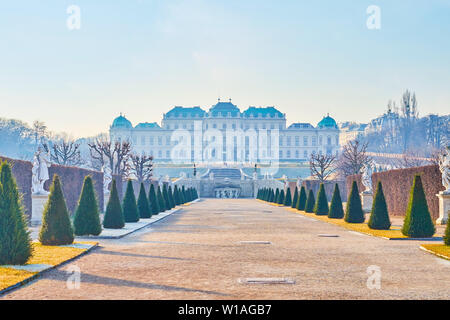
367, 178
41, 163
444, 167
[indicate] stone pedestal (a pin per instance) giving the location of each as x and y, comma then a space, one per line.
366, 201
38, 202
444, 207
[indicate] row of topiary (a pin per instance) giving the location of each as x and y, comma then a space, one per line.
417, 222
58, 229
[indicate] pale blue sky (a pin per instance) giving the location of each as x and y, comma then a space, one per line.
143, 57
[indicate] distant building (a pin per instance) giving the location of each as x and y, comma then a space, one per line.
350, 131
254, 128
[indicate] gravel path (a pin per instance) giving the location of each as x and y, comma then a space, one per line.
197, 253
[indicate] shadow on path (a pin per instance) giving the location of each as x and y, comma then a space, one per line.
137, 255
90, 278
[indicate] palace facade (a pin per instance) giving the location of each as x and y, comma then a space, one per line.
224, 133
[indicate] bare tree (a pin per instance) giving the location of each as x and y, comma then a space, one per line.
410, 113
353, 158
122, 154
141, 167
101, 153
39, 130
65, 153
322, 166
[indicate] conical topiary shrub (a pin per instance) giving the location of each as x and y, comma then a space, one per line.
176, 196
154, 204
129, 206
15, 240
447, 233
379, 218
310, 202
142, 204
160, 199
301, 202
418, 223
56, 226
183, 195
171, 200
321, 205
295, 199
166, 198
288, 198
354, 212
281, 197
276, 199
113, 218
336, 209
87, 216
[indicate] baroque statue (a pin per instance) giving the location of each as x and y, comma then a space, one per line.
367, 178
444, 167
41, 163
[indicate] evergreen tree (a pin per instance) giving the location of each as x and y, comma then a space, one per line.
161, 202
281, 197
154, 204
129, 207
195, 194
379, 218
166, 198
336, 209
171, 200
277, 196
294, 201
183, 195
310, 202
56, 226
321, 206
288, 198
301, 202
113, 218
87, 216
15, 240
418, 223
354, 212
176, 196
142, 203
447, 233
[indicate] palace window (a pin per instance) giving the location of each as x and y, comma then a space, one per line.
151, 141
320, 140
305, 154
314, 141
288, 142
160, 141
297, 141
305, 141
143, 140
288, 154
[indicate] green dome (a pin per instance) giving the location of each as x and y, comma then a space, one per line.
327, 122
148, 125
121, 122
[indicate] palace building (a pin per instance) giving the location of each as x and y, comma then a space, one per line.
224, 133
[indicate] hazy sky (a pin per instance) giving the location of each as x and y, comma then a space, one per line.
143, 57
